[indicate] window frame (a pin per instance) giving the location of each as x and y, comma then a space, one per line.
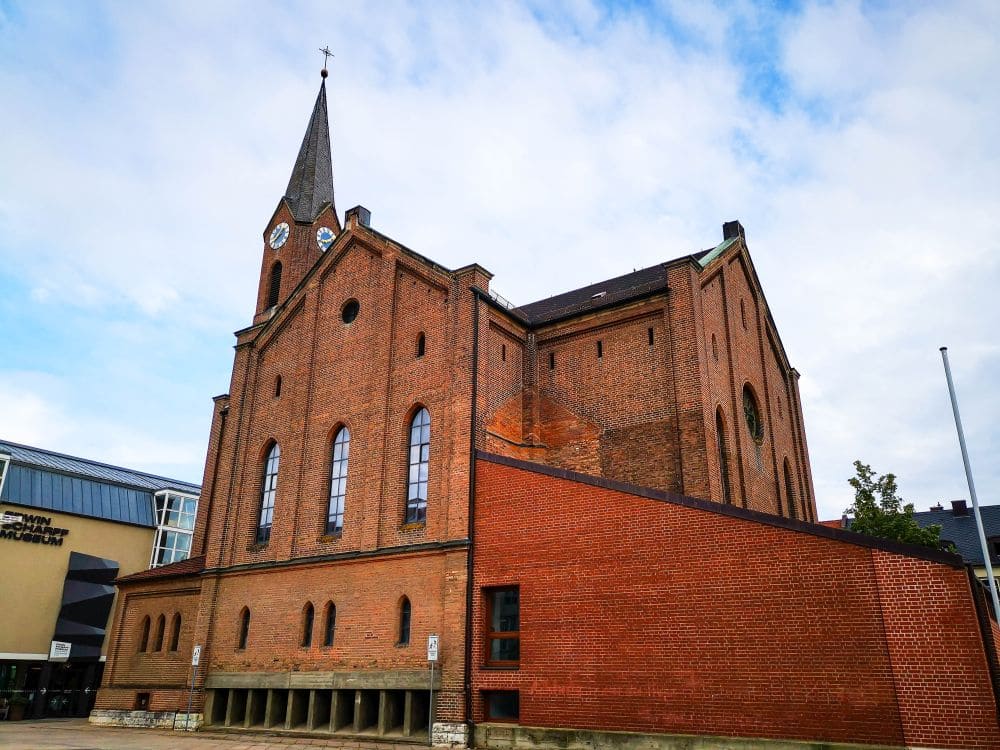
488, 716
161, 539
268, 493
334, 524
308, 619
405, 621
491, 635
330, 625
175, 631
243, 634
416, 506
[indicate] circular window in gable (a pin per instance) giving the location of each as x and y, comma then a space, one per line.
350, 311
751, 413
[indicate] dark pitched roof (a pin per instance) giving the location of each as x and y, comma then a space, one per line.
311, 184
191, 566
47, 480
961, 530
600, 295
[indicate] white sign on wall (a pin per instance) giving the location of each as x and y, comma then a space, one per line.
432, 648
196, 656
59, 651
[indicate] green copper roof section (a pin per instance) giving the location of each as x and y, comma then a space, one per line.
716, 251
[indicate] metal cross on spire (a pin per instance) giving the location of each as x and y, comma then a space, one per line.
326, 55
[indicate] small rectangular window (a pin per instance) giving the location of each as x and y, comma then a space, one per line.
649, 335
503, 627
502, 705
503, 352
142, 701
552, 360
600, 349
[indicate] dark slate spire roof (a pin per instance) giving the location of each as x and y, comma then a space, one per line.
311, 184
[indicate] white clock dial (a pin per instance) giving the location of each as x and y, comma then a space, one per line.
278, 236
325, 238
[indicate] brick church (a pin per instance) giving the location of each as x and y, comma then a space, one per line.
600, 502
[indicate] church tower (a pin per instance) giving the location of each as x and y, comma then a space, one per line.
305, 223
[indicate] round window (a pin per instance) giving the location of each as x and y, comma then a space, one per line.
350, 311
752, 414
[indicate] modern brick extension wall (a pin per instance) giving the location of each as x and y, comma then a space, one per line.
653, 613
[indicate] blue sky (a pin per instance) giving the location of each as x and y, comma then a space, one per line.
145, 146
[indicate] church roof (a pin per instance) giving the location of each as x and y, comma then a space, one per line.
960, 529
602, 294
310, 187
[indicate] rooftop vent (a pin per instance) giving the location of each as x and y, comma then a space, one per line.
937, 506
598, 295
959, 508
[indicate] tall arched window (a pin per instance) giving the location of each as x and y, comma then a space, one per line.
420, 449
789, 492
330, 624
404, 621
161, 624
244, 633
175, 631
274, 290
144, 634
720, 431
421, 344
308, 614
268, 491
338, 481
751, 412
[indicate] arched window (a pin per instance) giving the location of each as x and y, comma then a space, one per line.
268, 491
404, 621
420, 449
789, 492
175, 631
751, 412
144, 634
421, 344
274, 290
307, 625
161, 624
329, 624
720, 431
244, 634
338, 481
277, 386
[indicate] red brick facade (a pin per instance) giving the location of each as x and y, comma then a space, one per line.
642, 612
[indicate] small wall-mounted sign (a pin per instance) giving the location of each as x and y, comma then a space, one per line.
432, 648
59, 651
196, 656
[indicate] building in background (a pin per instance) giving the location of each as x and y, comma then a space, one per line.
958, 526
68, 527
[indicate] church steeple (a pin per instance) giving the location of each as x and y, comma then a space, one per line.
310, 187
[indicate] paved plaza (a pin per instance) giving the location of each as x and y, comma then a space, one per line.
77, 734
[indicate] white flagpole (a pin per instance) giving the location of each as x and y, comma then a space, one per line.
972, 485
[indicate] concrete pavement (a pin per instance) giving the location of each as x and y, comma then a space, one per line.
77, 734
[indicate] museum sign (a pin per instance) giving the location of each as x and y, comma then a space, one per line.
32, 529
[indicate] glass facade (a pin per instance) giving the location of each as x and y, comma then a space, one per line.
175, 514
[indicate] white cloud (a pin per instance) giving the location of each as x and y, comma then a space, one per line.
556, 148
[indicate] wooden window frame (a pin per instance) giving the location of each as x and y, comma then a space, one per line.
501, 635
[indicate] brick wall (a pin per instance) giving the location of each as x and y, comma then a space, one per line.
164, 673
646, 615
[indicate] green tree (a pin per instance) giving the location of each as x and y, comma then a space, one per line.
879, 511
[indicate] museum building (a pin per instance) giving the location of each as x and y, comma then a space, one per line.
599, 503
68, 527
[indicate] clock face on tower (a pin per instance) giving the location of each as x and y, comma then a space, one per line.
278, 236
325, 238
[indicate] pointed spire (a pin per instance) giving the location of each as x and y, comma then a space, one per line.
311, 184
